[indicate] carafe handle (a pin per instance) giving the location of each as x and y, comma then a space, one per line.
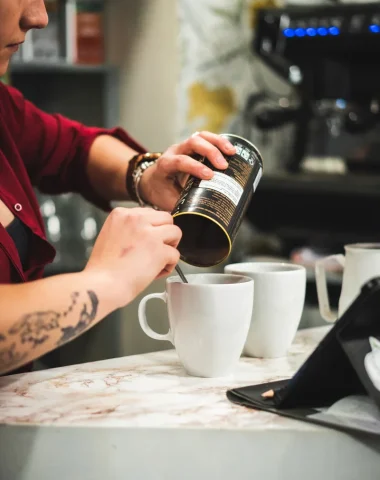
322, 292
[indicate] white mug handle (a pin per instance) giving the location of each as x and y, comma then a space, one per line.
322, 292
144, 321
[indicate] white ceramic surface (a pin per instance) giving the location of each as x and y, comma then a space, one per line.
278, 304
209, 320
361, 263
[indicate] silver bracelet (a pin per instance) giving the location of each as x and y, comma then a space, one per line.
137, 174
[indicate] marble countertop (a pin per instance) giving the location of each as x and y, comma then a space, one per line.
143, 418
150, 390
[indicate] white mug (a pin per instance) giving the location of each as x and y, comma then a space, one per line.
209, 319
278, 305
360, 264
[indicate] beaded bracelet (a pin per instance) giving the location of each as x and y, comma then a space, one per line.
137, 166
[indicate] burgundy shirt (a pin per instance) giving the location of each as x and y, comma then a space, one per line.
49, 152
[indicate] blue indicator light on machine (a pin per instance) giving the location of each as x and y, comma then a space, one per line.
374, 28
341, 103
334, 31
322, 31
289, 32
300, 32
311, 32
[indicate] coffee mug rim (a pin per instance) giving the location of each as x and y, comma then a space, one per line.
290, 268
365, 246
176, 279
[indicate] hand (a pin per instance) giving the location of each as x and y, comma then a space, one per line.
134, 247
162, 183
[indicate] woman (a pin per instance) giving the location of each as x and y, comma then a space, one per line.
56, 155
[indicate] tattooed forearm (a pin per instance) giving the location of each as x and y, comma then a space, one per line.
51, 327
36, 328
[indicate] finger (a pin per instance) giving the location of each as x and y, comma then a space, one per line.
202, 147
221, 142
169, 234
198, 145
174, 164
155, 217
172, 258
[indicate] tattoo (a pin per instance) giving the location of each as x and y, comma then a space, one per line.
9, 356
34, 327
85, 319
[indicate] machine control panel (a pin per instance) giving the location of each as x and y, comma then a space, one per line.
330, 26
322, 21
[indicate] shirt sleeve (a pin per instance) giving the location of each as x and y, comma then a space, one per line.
55, 150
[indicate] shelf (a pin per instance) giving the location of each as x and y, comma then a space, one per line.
58, 67
349, 184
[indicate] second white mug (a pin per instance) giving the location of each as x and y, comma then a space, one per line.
278, 305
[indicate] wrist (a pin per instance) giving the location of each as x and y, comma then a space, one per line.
103, 283
137, 171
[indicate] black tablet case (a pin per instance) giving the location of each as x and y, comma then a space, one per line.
335, 370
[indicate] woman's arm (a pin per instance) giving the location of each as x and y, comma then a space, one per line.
161, 184
107, 167
134, 247
39, 316
62, 155
56, 150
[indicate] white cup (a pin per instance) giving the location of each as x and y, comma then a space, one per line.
209, 320
278, 304
360, 264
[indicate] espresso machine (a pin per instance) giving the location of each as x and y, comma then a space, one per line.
330, 57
